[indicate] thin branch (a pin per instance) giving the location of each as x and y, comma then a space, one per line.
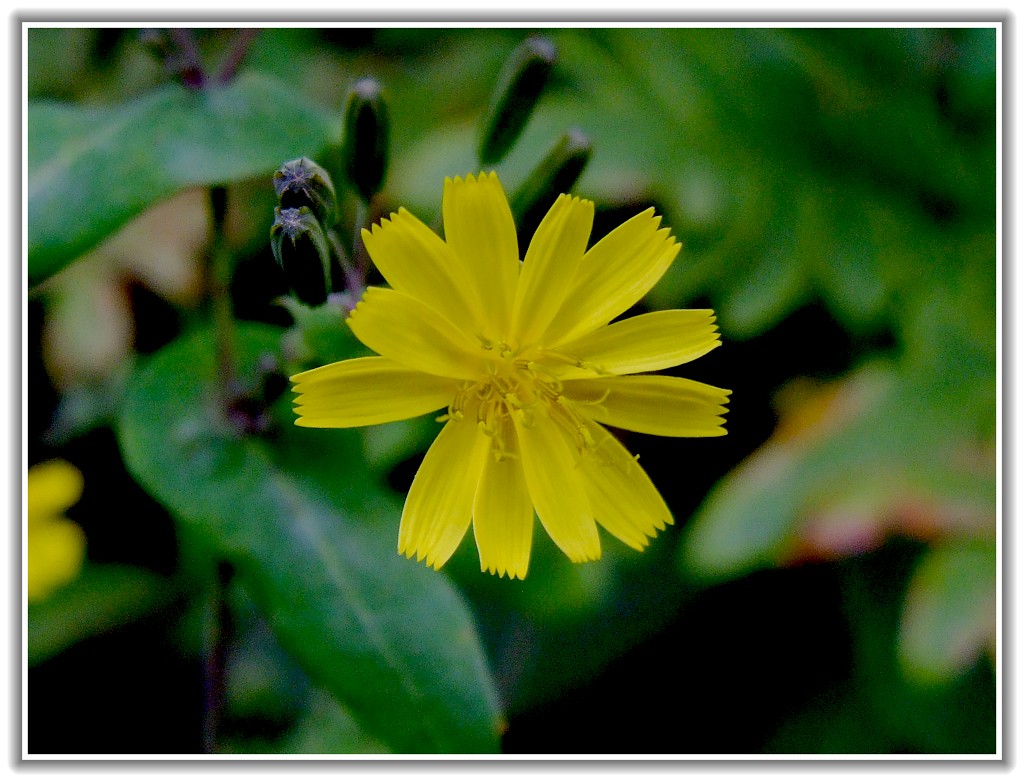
239, 49
219, 290
215, 657
188, 65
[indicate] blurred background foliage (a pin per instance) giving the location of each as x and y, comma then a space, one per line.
830, 583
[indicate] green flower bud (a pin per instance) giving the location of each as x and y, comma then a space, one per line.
557, 173
365, 142
516, 94
301, 183
301, 249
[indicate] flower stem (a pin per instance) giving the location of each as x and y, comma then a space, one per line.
215, 656
188, 66
358, 248
353, 283
357, 269
239, 48
220, 298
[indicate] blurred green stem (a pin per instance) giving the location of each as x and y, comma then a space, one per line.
353, 282
220, 298
215, 656
359, 254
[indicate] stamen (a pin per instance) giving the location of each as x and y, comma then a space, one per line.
455, 408
575, 361
595, 403
588, 438
525, 416
512, 399
600, 400
574, 424
542, 375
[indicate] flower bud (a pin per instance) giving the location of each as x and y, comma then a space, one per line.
301, 249
557, 173
365, 140
516, 94
301, 183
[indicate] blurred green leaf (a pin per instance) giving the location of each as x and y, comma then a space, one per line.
791, 164
566, 622
319, 335
956, 715
884, 447
832, 723
312, 535
879, 709
263, 683
102, 598
950, 611
387, 445
93, 168
326, 729
57, 58
265, 687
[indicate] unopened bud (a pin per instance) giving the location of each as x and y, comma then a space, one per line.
301, 183
516, 94
557, 173
301, 249
365, 141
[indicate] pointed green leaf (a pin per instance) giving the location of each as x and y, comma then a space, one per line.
93, 168
950, 613
102, 598
313, 537
892, 446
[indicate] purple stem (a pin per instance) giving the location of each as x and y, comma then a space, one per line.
239, 48
189, 67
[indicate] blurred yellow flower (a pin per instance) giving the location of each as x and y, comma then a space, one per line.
529, 365
56, 546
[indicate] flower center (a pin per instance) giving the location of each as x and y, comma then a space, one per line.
519, 388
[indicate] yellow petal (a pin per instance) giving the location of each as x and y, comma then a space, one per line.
503, 514
55, 551
623, 499
416, 261
364, 391
613, 276
653, 404
479, 227
550, 265
439, 507
406, 330
53, 487
645, 343
556, 487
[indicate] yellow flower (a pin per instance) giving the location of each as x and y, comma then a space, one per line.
56, 546
529, 365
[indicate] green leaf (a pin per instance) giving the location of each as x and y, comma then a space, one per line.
327, 728
950, 611
565, 622
93, 168
956, 715
887, 446
262, 682
313, 538
102, 598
